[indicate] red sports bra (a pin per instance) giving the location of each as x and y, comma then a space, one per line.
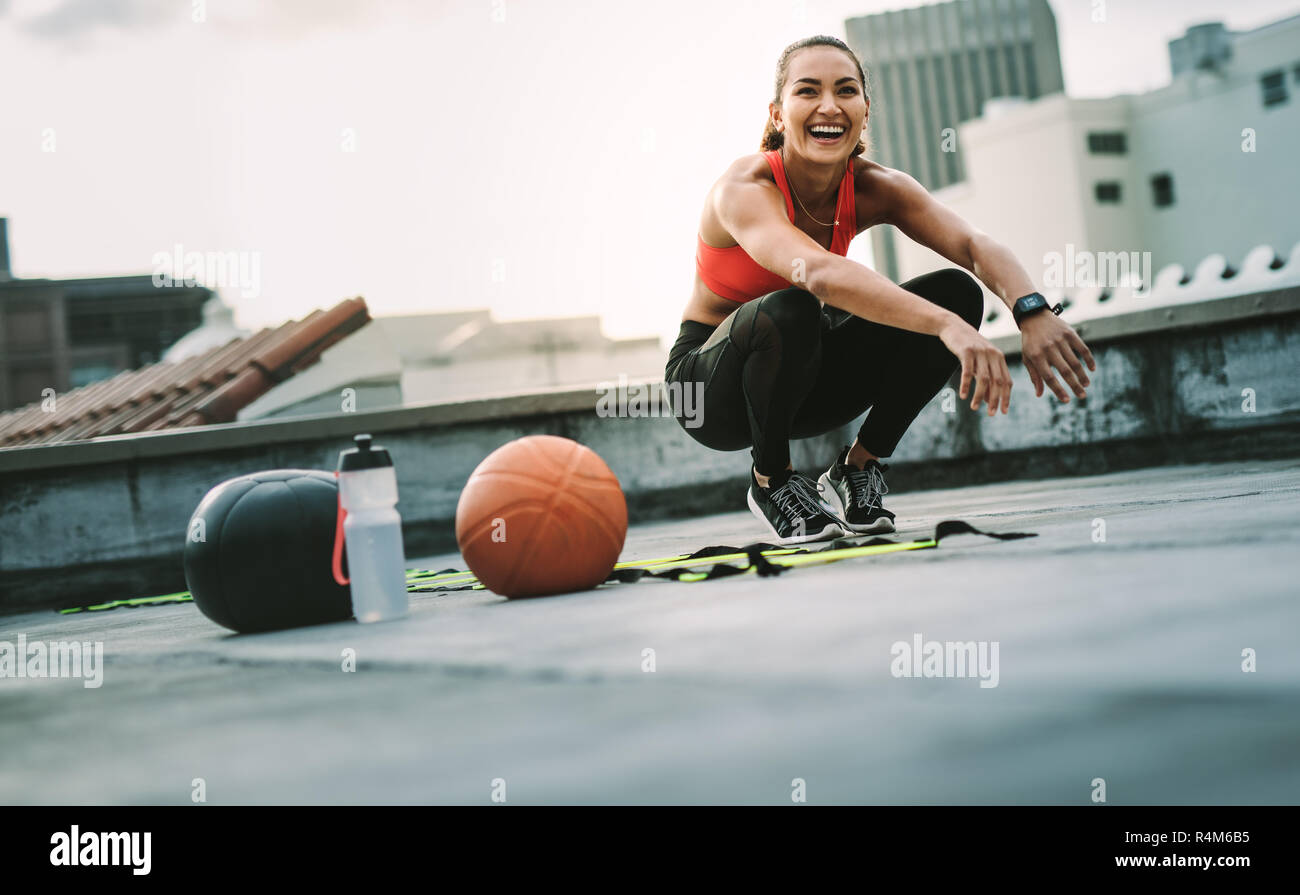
731, 273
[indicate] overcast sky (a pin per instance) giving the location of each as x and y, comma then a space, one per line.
538, 157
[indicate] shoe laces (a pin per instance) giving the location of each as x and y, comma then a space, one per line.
867, 485
799, 497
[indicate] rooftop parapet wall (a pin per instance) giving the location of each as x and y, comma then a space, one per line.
106, 518
1263, 270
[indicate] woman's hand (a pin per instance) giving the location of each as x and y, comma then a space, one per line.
1047, 342
981, 361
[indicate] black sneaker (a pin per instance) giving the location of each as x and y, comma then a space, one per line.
792, 509
855, 495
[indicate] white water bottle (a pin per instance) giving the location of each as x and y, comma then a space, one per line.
372, 532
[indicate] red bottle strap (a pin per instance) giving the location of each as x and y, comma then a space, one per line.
338, 543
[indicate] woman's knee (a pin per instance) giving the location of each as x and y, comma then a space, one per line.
961, 293
792, 310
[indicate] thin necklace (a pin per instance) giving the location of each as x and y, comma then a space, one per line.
790, 183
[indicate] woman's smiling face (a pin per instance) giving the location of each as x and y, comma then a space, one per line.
823, 109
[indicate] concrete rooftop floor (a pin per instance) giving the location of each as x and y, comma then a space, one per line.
1119, 660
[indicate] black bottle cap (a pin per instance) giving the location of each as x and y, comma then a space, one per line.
363, 456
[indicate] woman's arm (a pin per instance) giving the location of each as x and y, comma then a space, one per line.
753, 212
1047, 343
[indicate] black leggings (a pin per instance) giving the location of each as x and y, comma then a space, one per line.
782, 366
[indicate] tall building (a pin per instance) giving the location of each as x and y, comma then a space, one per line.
63, 334
1203, 166
933, 67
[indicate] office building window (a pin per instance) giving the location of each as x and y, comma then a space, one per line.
898, 118
911, 157
27, 326
1107, 143
976, 81
1031, 71
1012, 75
959, 86
995, 76
1273, 85
933, 180
1162, 188
944, 87
88, 373
887, 88
1107, 192
28, 384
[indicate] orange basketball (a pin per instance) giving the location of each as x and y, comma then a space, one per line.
541, 515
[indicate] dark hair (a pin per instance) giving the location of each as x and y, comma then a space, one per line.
774, 139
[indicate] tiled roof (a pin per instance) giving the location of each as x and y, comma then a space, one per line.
209, 388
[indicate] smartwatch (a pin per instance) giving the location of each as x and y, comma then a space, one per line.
1030, 304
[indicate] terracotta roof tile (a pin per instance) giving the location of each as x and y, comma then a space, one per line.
209, 388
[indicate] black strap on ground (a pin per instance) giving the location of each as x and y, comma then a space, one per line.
765, 568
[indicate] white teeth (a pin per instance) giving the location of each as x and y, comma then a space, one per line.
827, 130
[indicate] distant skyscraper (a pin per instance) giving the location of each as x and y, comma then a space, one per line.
932, 67
1143, 172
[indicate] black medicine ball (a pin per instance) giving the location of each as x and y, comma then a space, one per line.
258, 552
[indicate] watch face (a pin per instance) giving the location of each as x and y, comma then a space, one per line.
1029, 303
